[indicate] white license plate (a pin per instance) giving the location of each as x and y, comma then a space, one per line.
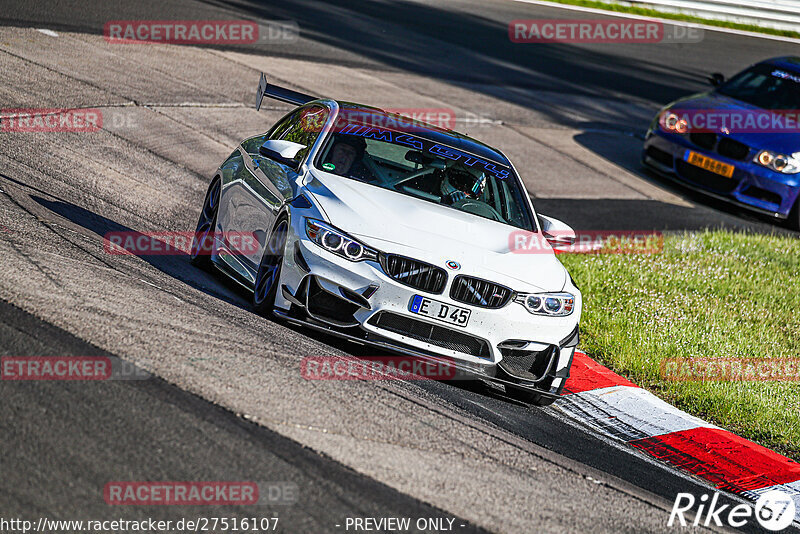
439, 310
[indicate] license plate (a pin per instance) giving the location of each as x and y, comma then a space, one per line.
710, 164
439, 310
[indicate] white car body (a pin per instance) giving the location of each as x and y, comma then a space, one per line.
257, 191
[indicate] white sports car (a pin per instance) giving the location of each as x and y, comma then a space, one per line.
395, 233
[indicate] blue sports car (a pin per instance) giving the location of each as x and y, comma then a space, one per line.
739, 142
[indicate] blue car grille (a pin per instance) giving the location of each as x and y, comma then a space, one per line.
724, 146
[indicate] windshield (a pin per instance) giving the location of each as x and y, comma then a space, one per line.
765, 86
426, 170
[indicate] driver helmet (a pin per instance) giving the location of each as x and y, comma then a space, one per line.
466, 182
354, 141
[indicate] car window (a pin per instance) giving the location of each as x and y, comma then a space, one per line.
418, 167
280, 126
301, 126
304, 126
765, 86
252, 144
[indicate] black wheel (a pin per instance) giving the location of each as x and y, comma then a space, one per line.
529, 397
269, 270
203, 241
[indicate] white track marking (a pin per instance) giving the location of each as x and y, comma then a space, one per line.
629, 413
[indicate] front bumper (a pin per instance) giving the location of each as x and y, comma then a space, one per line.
752, 186
494, 374
359, 301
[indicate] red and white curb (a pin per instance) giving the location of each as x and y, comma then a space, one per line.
618, 408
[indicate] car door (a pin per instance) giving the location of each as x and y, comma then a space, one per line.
266, 184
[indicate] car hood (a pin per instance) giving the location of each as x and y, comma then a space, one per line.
784, 142
393, 222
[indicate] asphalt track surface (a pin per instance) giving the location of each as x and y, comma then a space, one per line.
71, 433
229, 400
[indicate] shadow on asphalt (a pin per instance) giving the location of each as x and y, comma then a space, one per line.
417, 38
175, 264
80, 435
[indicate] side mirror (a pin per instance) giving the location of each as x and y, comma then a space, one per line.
716, 79
556, 232
284, 152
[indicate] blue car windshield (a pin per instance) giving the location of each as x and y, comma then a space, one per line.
765, 86
418, 167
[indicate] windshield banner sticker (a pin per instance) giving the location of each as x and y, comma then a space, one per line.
431, 148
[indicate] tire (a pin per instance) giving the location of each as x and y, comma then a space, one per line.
529, 397
269, 270
203, 240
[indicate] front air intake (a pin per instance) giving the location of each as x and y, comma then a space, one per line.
478, 292
440, 336
414, 273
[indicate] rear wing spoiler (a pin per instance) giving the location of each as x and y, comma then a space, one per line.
280, 93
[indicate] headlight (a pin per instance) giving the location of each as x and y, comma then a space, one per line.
779, 162
338, 242
671, 122
553, 304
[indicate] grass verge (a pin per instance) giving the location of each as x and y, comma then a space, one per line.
647, 12
712, 294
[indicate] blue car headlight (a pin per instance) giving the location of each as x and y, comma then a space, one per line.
335, 241
551, 304
671, 122
779, 162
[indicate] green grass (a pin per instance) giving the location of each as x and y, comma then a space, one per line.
647, 12
713, 294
